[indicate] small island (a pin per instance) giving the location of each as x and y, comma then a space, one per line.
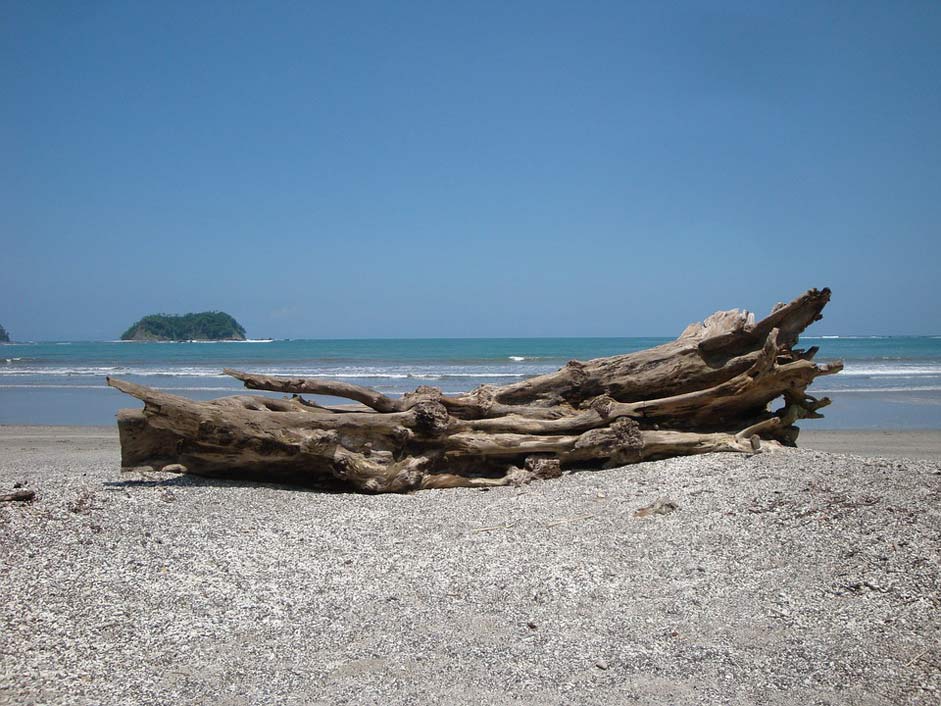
203, 326
4, 336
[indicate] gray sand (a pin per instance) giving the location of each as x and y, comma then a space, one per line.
876, 443
800, 577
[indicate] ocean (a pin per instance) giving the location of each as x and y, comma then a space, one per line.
889, 382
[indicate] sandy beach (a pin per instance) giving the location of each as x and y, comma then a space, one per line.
896, 443
802, 577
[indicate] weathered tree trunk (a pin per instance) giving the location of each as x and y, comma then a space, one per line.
709, 390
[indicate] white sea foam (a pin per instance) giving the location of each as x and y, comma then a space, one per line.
870, 370
203, 389
103, 386
517, 357
437, 375
837, 391
234, 389
87, 371
238, 389
58, 386
441, 376
917, 371
216, 372
18, 367
196, 340
247, 340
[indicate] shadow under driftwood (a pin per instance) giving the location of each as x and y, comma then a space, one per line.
236, 479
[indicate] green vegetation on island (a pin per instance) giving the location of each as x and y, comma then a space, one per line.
204, 326
4, 336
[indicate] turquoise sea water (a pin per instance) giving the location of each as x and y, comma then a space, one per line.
888, 382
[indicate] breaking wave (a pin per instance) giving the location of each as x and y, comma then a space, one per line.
869, 370
215, 372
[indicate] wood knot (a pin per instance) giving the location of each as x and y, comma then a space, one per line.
431, 417
577, 370
628, 434
424, 392
342, 467
407, 479
534, 468
602, 405
543, 467
320, 442
485, 397
373, 485
401, 436
629, 442
217, 433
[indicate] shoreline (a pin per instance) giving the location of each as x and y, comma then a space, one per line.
96, 405
923, 444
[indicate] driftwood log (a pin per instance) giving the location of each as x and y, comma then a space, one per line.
709, 390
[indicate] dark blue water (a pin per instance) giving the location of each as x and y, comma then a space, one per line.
888, 382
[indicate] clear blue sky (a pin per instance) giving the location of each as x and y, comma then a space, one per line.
476, 169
